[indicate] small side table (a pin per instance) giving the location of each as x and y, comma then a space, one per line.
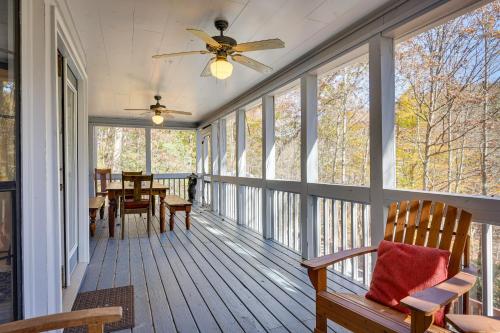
474, 323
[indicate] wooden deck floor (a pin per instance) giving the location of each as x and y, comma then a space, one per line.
216, 277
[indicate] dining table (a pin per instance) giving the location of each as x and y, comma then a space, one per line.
115, 191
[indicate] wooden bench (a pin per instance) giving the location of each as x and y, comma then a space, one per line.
95, 204
175, 203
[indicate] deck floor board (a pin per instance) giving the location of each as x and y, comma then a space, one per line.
216, 277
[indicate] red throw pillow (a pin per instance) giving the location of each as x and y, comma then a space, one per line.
403, 269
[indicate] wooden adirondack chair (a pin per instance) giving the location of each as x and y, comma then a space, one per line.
92, 319
358, 314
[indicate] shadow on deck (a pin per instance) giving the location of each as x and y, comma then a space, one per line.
215, 277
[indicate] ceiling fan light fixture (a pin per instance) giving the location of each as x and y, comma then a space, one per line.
157, 119
221, 68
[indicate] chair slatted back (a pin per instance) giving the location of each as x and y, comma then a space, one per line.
430, 224
101, 179
137, 181
131, 173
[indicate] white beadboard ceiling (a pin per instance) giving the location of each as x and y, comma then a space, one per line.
120, 36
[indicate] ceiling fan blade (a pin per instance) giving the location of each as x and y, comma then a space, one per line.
206, 71
178, 54
136, 109
177, 112
253, 64
266, 44
205, 37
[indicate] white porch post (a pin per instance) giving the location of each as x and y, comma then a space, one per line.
240, 164
92, 146
215, 165
148, 150
382, 150
308, 160
222, 164
199, 165
268, 163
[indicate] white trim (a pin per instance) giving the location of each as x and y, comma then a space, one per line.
43, 24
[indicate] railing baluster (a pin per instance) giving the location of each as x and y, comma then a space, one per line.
366, 268
343, 218
354, 236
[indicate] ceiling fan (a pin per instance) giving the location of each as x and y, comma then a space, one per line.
223, 47
160, 111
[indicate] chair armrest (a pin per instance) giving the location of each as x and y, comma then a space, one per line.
429, 300
97, 316
327, 260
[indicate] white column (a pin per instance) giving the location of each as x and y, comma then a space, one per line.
382, 150
268, 163
199, 165
215, 165
148, 150
92, 152
240, 164
308, 160
222, 164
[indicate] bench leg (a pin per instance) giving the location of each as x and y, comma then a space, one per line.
153, 205
163, 221
101, 212
93, 214
188, 218
172, 215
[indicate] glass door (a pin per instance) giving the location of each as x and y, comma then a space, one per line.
70, 169
10, 226
68, 160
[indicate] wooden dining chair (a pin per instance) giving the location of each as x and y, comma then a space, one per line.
137, 202
424, 223
102, 177
127, 173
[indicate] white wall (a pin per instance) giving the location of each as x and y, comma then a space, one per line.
43, 22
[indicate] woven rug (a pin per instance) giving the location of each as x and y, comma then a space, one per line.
121, 296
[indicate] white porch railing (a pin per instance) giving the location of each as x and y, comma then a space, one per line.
342, 219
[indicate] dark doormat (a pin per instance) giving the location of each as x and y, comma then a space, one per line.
121, 296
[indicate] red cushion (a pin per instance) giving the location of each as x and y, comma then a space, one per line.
403, 269
131, 204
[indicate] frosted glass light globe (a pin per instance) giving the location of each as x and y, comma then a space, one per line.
157, 119
221, 68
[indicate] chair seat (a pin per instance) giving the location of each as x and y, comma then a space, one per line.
377, 313
131, 204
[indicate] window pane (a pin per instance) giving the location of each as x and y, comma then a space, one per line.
121, 148
287, 134
229, 137
6, 260
253, 141
173, 151
447, 97
343, 124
